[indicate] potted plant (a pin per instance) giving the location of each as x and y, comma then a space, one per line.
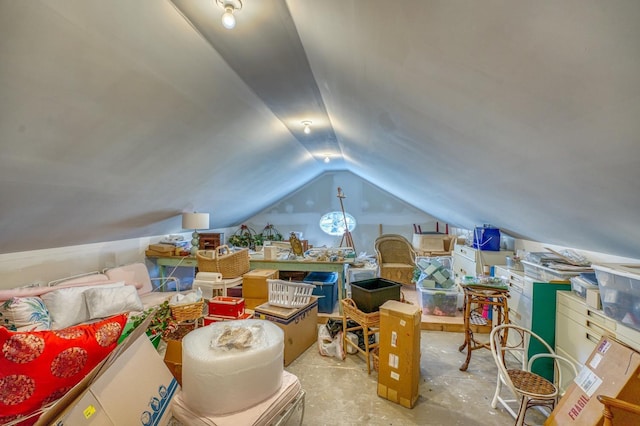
243, 237
161, 325
269, 233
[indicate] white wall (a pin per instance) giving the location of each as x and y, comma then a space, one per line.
375, 211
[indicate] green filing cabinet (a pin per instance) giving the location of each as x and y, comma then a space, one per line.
543, 322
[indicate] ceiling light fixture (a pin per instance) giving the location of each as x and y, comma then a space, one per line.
327, 159
228, 17
307, 127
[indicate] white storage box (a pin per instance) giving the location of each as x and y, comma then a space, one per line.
620, 292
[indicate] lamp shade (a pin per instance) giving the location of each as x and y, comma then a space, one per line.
195, 220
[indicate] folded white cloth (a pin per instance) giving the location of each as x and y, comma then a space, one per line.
260, 414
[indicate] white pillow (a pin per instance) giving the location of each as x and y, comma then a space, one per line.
67, 306
104, 302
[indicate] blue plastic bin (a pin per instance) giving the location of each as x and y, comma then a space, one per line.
326, 287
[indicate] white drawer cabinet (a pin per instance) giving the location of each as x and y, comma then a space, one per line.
470, 261
520, 298
579, 328
520, 294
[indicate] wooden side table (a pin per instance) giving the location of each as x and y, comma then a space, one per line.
368, 323
476, 299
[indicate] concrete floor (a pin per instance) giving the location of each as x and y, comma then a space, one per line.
339, 392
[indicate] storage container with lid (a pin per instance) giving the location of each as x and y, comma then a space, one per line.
620, 291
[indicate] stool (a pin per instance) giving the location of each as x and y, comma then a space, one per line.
368, 323
479, 298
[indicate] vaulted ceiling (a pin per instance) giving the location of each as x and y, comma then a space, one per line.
116, 116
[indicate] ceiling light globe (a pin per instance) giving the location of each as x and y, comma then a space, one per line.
326, 159
228, 20
307, 129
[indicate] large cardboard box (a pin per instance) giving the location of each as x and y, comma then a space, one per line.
399, 355
133, 388
173, 358
255, 289
300, 326
612, 369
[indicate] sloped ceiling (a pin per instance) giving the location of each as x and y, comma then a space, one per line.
116, 116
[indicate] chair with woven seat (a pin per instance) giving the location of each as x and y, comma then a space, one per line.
396, 258
510, 348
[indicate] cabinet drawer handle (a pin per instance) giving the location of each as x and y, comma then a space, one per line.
597, 317
594, 339
595, 325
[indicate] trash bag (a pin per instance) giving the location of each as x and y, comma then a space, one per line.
328, 345
334, 326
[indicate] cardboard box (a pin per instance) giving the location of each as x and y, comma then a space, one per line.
612, 369
173, 359
255, 289
300, 326
399, 353
135, 366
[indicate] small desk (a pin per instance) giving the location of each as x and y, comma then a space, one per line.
174, 261
308, 266
476, 298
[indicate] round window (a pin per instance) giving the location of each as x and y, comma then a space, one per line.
333, 223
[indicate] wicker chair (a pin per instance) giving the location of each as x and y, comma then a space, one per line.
396, 258
514, 370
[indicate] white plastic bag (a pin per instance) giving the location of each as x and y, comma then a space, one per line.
328, 346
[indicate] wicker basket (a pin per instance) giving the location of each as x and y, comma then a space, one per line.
222, 259
288, 294
350, 310
187, 312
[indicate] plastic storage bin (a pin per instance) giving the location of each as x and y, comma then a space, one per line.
439, 302
584, 282
368, 295
545, 274
620, 292
326, 287
486, 238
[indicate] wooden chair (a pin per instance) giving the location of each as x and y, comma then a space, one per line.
396, 258
610, 403
510, 348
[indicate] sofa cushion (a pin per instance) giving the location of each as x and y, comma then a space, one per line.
67, 305
6, 294
134, 273
103, 302
39, 367
82, 279
25, 314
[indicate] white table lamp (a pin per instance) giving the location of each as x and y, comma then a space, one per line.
195, 221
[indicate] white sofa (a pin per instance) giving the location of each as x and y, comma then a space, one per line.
71, 301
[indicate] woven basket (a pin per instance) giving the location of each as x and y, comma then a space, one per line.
350, 310
187, 312
222, 259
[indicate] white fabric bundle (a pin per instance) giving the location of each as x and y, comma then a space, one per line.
232, 365
209, 276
